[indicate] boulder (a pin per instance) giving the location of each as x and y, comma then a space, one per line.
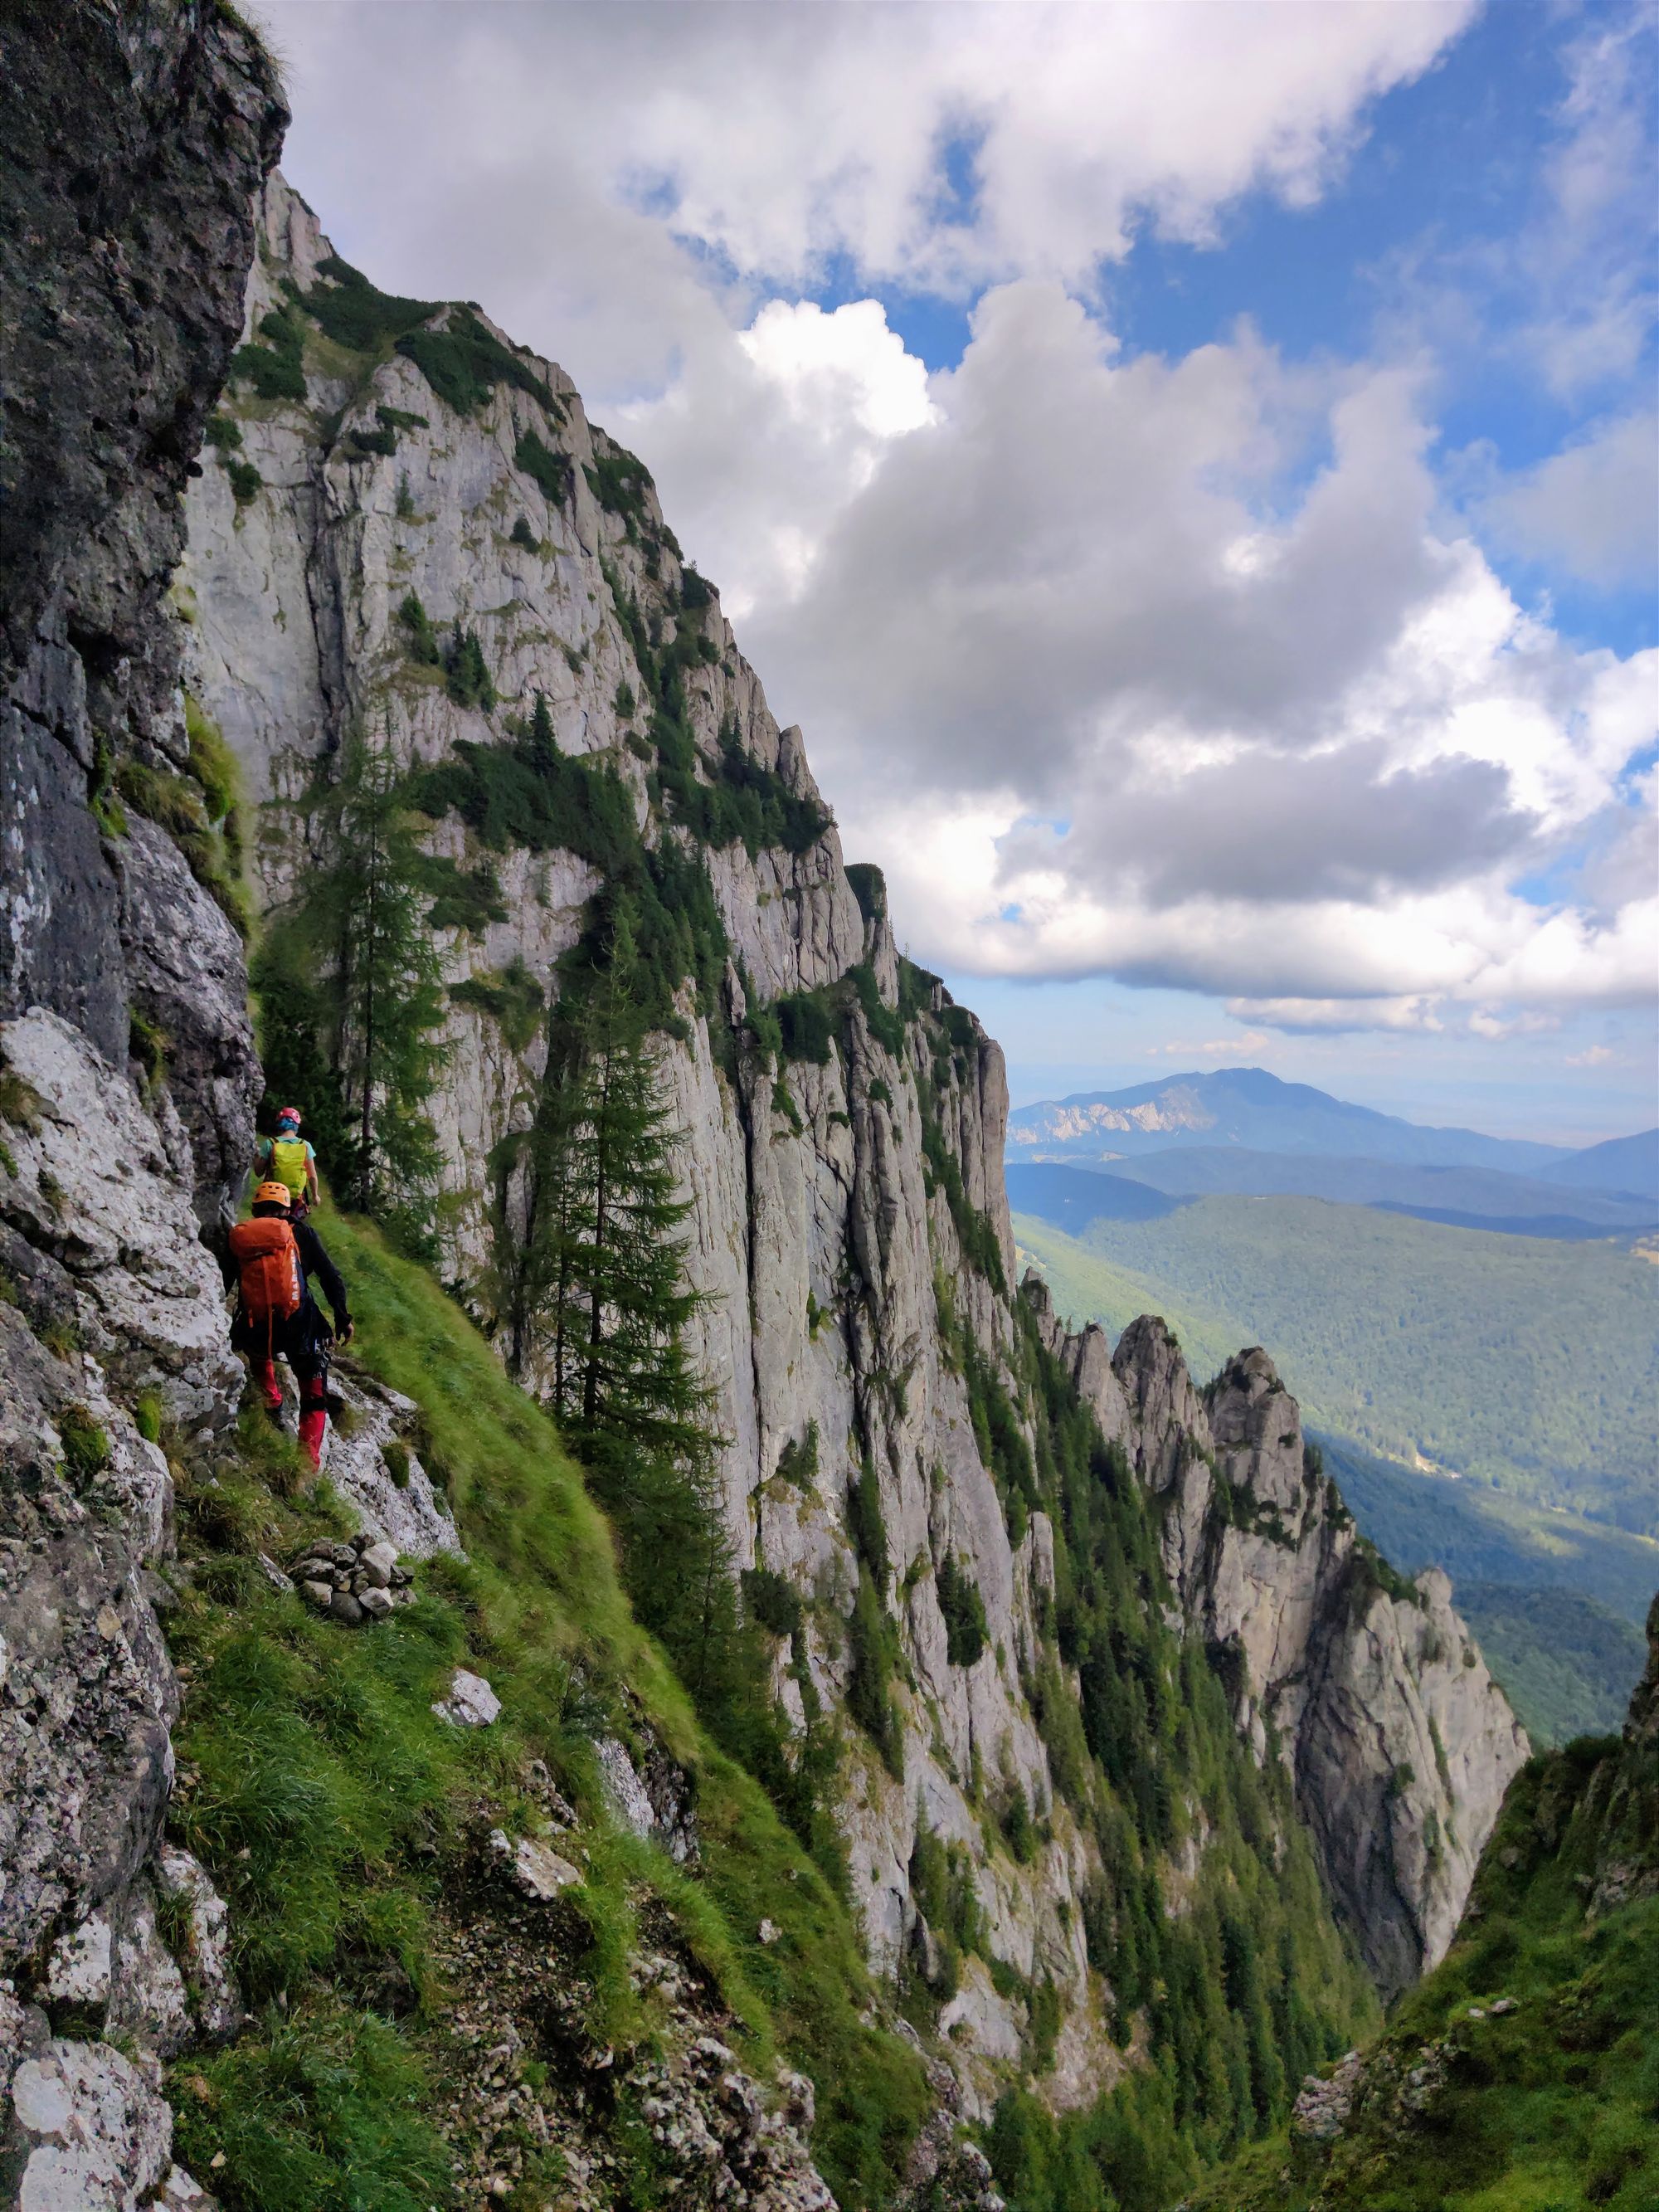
534, 1868
94, 2129
470, 1703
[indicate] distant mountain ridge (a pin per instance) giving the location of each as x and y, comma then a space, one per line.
1481, 1197
1251, 1107
1622, 1163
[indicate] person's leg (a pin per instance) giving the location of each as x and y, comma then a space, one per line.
269, 1381
313, 1408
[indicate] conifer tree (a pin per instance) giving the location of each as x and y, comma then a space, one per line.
467, 672
602, 1306
594, 1295
611, 1264
533, 1284
541, 748
364, 916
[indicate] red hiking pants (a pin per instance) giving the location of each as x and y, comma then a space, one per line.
313, 1405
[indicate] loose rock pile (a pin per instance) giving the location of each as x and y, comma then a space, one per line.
945, 2172
353, 1583
1386, 2097
718, 2140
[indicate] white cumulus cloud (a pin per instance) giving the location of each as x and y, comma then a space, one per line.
1179, 670
929, 144
1591, 510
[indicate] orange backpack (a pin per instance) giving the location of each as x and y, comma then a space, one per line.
268, 1260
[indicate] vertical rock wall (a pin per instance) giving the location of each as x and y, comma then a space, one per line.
121, 276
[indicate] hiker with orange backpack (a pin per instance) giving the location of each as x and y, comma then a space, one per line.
275, 1314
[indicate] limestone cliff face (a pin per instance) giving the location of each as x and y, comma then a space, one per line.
121, 277
128, 1078
1370, 1689
122, 280
849, 1219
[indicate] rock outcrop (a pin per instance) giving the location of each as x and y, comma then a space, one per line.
1625, 1799
121, 275
1545, 2003
1369, 1688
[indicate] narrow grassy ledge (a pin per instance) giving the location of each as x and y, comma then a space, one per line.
328, 1801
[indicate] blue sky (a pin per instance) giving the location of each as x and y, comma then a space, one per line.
1451, 163
1189, 469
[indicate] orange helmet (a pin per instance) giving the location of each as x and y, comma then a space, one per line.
273, 1193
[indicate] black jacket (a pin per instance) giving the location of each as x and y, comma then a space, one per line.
314, 1261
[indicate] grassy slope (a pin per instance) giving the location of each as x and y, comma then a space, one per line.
325, 1797
1509, 1359
1551, 2109
1482, 1535
1566, 1664
335, 1812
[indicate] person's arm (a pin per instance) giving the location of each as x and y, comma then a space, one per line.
316, 1261
312, 1190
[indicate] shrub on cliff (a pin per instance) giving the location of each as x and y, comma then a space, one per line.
869, 1694
619, 482
417, 626
551, 470
963, 1609
466, 674
276, 368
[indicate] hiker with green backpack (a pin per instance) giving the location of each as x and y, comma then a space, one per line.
288, 1158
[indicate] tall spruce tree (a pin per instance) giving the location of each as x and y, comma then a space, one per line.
589, 1280
362, 917
601, 1309
614, 1304
538, 1213
541, 747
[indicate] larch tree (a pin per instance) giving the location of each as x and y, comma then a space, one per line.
606, 1306
364, 917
